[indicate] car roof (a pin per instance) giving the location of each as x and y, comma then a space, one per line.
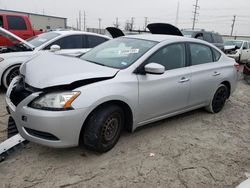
70, 32
161, 38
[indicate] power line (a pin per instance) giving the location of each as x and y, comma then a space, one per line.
196, 7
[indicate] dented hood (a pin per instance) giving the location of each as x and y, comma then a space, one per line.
14, 38
50, 70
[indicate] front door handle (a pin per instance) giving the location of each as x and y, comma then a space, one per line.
184, 79
216, 73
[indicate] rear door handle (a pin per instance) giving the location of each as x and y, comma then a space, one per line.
216, 73
184, 79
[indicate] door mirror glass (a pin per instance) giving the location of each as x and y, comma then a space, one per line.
55, 48
154, 68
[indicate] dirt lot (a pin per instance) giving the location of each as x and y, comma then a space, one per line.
196, 149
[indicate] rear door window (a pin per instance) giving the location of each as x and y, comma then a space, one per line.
216, 54
200, 54
16, 23
93, 41
171, 56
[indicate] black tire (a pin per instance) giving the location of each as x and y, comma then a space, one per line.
9, 75
219, 99
103, 128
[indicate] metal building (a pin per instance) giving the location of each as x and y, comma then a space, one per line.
40, 21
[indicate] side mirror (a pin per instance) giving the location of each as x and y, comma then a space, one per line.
55, 48
154, 68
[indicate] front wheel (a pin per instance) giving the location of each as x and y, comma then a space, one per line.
9, 74
103, 128
219, 99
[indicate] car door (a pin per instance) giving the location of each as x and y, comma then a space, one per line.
167, 93
245, 53
206, 74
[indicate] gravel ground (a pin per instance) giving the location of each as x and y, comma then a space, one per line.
196, 149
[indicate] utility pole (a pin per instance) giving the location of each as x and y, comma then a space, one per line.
84, 21
146, 23
116, 24
77, 26
99, 20
132, 23
196, 7
232, 30
80, 20
177, 14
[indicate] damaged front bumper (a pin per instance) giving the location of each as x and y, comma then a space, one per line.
59, 129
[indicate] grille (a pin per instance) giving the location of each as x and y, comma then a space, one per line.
19, 93
40, 134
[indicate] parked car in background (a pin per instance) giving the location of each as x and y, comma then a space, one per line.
126, 82
64, 42
238, 49
211, 37
17, 24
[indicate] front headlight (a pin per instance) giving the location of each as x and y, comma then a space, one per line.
55, 101
1, 59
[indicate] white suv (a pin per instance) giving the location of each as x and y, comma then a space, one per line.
63, 42
238, 49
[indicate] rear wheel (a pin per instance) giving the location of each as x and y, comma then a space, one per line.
103, 128
9, 74
219, 99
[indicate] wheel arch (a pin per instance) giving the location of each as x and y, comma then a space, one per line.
6, 69
228, 85
127, 113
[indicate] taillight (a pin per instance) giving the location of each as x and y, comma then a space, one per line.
237, 66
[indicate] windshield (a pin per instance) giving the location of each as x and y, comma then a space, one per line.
238, 44
42, 38
118, 53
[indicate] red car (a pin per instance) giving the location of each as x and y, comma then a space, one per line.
19, 25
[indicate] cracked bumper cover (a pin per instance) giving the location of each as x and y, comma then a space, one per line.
65, 125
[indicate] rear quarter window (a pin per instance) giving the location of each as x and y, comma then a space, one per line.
16, 23
216, 54
200, 54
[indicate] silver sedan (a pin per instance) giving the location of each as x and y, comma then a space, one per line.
124, 83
